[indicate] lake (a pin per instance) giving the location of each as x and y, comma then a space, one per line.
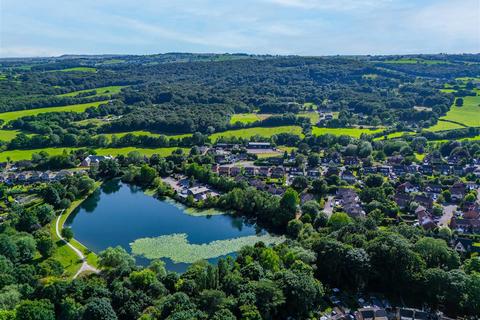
117, 214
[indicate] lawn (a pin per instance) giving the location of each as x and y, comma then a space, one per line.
16, 155
12, 115
352, 132
104, 91
260, 131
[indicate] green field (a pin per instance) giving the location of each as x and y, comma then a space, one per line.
444, 126
8, 135
244, 118
468, 114
146, 133
313, 116
16, 155
9, 116
260, 131
352, 132
395, 135
104, 91
78, 69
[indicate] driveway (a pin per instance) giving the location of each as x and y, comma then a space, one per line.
448, 212
328, 208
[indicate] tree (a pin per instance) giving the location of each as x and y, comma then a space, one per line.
116, 260
294, 227
290, 200
26, 248
374, 180
45, 244
268, 297
99, 309
437, 254
339, 220
459, 102
67, 234
300, 183
36, 310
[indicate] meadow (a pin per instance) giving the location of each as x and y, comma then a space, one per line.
260, 131
468, 114
145, 133
394, 135
313, 116
352, 132
12, 115
444, 126
244, 118
17, 155
103, 91
8, 135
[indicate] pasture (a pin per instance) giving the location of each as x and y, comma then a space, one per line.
8, 135
468, 114
394, 135
104, 91
12, 115
313, 116
257, 131
352, 132
444, 126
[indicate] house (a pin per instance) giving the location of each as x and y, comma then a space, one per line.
34, 177
198, 193
433, 188
407, 187
264, 171
305, 197
385, 170
423, 200
278, 172
47, 176
250, 171
371, 313
215, 168
464, 245
224, 170
402, 199
348, 176
458, 191
395, 160
93, 160
399, 170
350, 161
23, 176
465, 225
458, 170
235, 171
426, 169
425, 219
259, 145
369, 170
332, 171
63, 174
313, 173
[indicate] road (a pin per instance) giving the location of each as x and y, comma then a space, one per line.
448, 212
85, 266
328, 208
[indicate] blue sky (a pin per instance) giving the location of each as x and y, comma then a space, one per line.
304, 27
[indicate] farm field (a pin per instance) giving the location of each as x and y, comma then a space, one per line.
104, 91
260, 131
352, 132
16, 155
12, 115
444, 126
